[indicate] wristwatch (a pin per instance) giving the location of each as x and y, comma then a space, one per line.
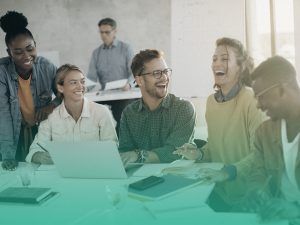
142, 155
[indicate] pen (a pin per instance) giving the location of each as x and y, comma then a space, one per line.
42, 147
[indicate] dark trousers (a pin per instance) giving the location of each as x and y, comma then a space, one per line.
117, 107
27, 135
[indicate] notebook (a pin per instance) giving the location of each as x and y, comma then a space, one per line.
29, 195
171, 185
86, 159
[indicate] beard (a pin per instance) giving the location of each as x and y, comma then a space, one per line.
156, 91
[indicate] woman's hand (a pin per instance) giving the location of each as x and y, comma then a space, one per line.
42, 158
9, 164
189, 151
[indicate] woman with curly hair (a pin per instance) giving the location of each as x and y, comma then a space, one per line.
26, 88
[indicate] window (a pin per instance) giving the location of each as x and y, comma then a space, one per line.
270, 29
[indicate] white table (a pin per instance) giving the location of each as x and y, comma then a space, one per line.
85, 201
111, 95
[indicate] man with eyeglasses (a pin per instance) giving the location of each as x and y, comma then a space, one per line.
276, 164
153, 126
273, 171
110, 62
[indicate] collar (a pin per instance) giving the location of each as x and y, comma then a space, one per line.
166, 103
114, 44
85, 109
231, 94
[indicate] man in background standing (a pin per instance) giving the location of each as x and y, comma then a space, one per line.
111, 62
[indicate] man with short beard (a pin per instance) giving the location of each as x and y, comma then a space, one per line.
155, 125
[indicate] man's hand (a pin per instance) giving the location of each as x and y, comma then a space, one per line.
43, 113
276, 209
188, 151
9, 164
213, 176
126, 87
42, 158
129, 157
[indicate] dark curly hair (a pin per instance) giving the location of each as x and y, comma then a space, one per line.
14, 24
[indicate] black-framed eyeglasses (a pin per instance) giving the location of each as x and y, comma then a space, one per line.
261, 93
107, 32
158, 73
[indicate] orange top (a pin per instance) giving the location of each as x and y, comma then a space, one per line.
26, 100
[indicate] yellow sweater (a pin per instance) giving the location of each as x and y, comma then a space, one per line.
231, 127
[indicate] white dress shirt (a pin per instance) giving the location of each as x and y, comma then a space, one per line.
95, 123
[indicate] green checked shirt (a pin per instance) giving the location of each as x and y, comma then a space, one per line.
162, 130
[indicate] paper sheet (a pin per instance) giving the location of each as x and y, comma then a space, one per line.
115, 84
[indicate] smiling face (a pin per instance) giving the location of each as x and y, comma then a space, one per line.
225, 68
73, 86
270, 98
22, 51
150, 86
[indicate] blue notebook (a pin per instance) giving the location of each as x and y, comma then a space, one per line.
171, 185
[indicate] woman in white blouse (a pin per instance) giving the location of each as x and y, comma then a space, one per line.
75, 119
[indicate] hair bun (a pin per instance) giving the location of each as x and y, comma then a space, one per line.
13, 21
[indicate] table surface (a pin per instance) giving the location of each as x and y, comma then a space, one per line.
106, 201
111, 95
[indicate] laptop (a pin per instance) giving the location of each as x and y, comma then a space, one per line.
86, 159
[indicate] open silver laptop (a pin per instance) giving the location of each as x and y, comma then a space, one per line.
86, 159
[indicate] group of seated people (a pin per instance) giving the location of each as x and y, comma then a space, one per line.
261, 159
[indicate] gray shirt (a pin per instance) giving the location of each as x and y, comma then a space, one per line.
110, 63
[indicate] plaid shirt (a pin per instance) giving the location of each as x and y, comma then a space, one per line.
162, 130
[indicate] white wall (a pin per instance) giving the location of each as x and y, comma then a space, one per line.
68, 28
297, 34
195, 26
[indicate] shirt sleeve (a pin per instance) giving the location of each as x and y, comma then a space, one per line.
254, 118
129, 58
7, 146
92, 71
57, 100
252, 166
126, 141
182, 132
44, 134
107, 127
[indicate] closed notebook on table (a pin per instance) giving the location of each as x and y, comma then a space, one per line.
171, 185
30, 195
